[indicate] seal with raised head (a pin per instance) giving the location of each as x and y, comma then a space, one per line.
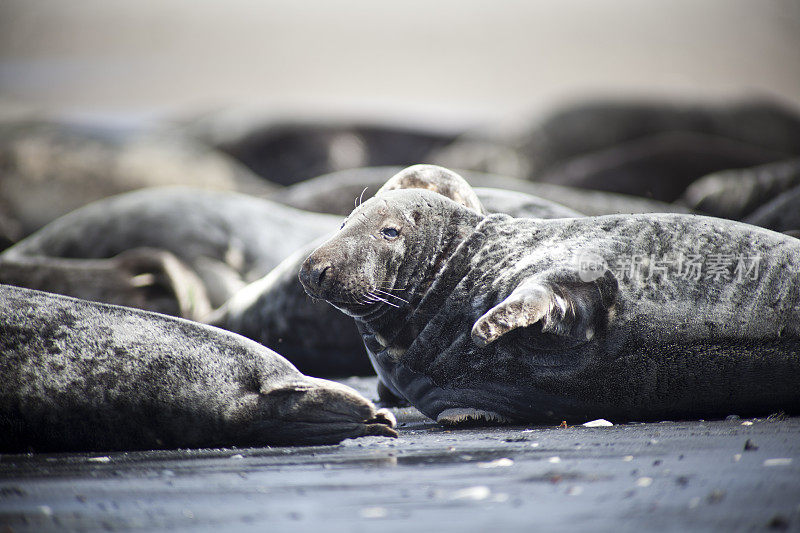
80, 375
314, 336
491, 318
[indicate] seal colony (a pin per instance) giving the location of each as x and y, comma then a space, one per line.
488, 318
80, 375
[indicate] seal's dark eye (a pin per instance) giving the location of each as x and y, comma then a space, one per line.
390, 233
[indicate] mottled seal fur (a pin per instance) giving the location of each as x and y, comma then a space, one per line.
80, 375
319, 340
493, 318
228, 239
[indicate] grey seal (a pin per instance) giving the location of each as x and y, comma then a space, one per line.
318, 339
288, 151
737, 193
780, 214
593, 135
79, 375
50, 168
145, 278
624, 317
335, 193
229, 239
660, 167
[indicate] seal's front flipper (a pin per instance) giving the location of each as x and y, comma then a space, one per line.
564, 304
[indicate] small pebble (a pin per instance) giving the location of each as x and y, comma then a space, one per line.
103, 459
715, 496
747, 423
749, 445
237, 456
778, 522
628, 458
644, 482
554, 460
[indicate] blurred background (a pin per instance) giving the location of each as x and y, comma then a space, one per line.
447, 63
100, 97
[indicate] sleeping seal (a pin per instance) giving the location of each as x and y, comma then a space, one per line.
228, 239
625, 317
79, 375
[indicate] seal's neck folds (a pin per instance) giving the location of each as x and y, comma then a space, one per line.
428, 274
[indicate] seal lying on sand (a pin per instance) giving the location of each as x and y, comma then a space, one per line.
626, 317
79, 375
228, 239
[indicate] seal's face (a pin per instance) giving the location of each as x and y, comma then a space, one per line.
357, 269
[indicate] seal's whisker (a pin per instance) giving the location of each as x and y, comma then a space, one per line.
361, 196
387, 302
392, 295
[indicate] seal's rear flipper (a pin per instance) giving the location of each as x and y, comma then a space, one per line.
564, 304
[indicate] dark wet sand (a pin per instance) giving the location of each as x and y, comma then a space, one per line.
673, 476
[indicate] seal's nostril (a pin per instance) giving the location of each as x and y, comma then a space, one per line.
320, 273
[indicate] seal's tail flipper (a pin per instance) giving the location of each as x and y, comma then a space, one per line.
561, 301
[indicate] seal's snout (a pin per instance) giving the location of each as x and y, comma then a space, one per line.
315, 275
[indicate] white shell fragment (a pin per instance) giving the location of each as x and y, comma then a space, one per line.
599, 423
497, 463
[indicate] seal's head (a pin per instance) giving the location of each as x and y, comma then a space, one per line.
385, 249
